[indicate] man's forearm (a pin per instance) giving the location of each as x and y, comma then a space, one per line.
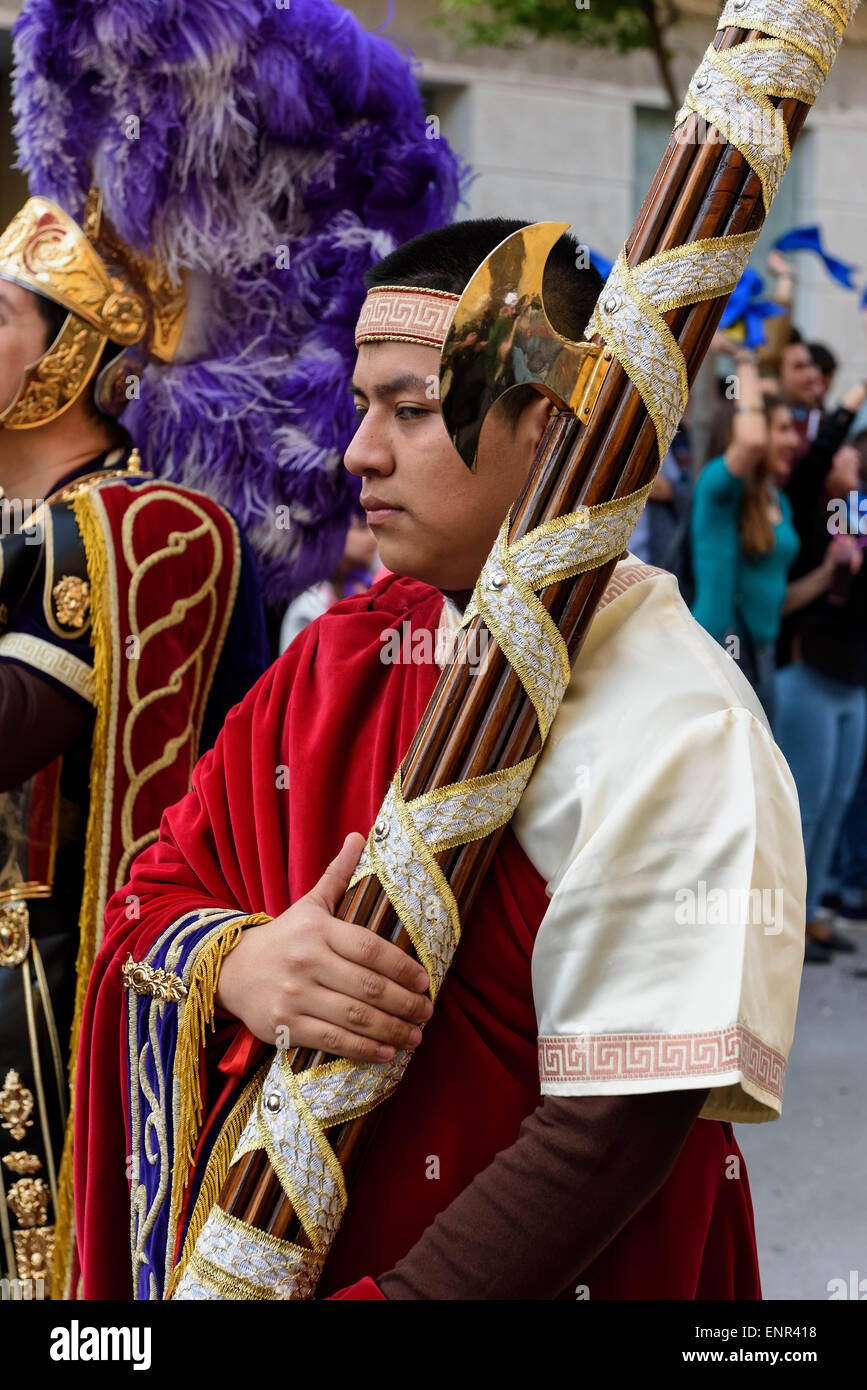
832, 431
548, 1205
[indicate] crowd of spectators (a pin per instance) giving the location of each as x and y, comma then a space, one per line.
768, 550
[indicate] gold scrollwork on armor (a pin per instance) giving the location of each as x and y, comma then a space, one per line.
146, 979
16, 1106
45, 250
125, 316
28, 1200
71, 600
14, 933
20, 1162
34, 1253
109, 290
59, 377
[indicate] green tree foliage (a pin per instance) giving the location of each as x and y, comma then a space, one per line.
620, 24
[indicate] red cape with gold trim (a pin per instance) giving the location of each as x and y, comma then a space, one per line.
164, 565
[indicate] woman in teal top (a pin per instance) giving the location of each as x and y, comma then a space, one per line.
743, 539
736, 590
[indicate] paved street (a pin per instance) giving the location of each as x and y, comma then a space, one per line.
808, 1170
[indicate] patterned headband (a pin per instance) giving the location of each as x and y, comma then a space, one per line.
394, 314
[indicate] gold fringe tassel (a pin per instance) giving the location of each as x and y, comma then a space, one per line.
91, 907
219, 1164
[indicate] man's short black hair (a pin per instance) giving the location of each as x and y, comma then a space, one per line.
823, 358
53, 315
448, 257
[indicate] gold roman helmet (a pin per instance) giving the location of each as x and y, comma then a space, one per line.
112, 295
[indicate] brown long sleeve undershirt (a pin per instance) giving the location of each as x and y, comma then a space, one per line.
37, 723
537, 1216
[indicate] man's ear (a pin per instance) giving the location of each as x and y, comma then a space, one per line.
533, 422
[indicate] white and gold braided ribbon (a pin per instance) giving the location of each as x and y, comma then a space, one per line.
505, 595
232, 1259
629, 313
731, 90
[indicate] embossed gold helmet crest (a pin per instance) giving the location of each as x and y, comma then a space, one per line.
112, 295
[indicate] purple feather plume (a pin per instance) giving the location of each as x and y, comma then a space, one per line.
222, 134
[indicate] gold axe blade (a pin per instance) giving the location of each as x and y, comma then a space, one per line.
501, 337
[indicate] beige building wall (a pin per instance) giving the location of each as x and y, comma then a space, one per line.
552, 130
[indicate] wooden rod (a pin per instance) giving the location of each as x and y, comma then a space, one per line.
476, 722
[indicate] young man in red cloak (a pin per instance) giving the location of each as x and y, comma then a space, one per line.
625, 986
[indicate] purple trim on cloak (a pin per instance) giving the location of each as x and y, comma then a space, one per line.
152, 1167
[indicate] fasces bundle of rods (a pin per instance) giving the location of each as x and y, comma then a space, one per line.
479, 719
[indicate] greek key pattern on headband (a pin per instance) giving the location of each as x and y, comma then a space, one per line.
392, 313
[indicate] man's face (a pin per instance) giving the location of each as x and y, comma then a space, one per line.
845, 473
800, 378
22, 337
433, 519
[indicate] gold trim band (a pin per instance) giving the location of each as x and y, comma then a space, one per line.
52, 661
